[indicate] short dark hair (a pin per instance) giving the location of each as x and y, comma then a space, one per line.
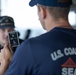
57, 12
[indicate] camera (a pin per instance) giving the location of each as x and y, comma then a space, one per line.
13, 38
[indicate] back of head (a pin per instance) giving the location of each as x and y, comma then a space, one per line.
6, 21
56, 8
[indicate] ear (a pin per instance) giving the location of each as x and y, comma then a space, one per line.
43, 12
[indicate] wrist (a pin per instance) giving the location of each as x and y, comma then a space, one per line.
4, 66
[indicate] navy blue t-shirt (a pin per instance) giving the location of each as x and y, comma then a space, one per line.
52, 53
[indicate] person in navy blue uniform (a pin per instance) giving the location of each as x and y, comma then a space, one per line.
52, 53
6, 25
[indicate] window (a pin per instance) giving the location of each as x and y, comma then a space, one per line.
25, 17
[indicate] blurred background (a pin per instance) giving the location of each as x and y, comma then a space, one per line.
26, 19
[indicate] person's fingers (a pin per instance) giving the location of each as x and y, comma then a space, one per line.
2, 53
8, 48
8, 52
11, 49
2, 56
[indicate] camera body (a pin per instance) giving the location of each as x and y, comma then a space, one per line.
13, 38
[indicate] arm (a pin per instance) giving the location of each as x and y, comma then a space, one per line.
5, 59
3, 67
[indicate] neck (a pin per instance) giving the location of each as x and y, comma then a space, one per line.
60, 23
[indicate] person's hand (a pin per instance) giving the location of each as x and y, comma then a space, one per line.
5, 58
